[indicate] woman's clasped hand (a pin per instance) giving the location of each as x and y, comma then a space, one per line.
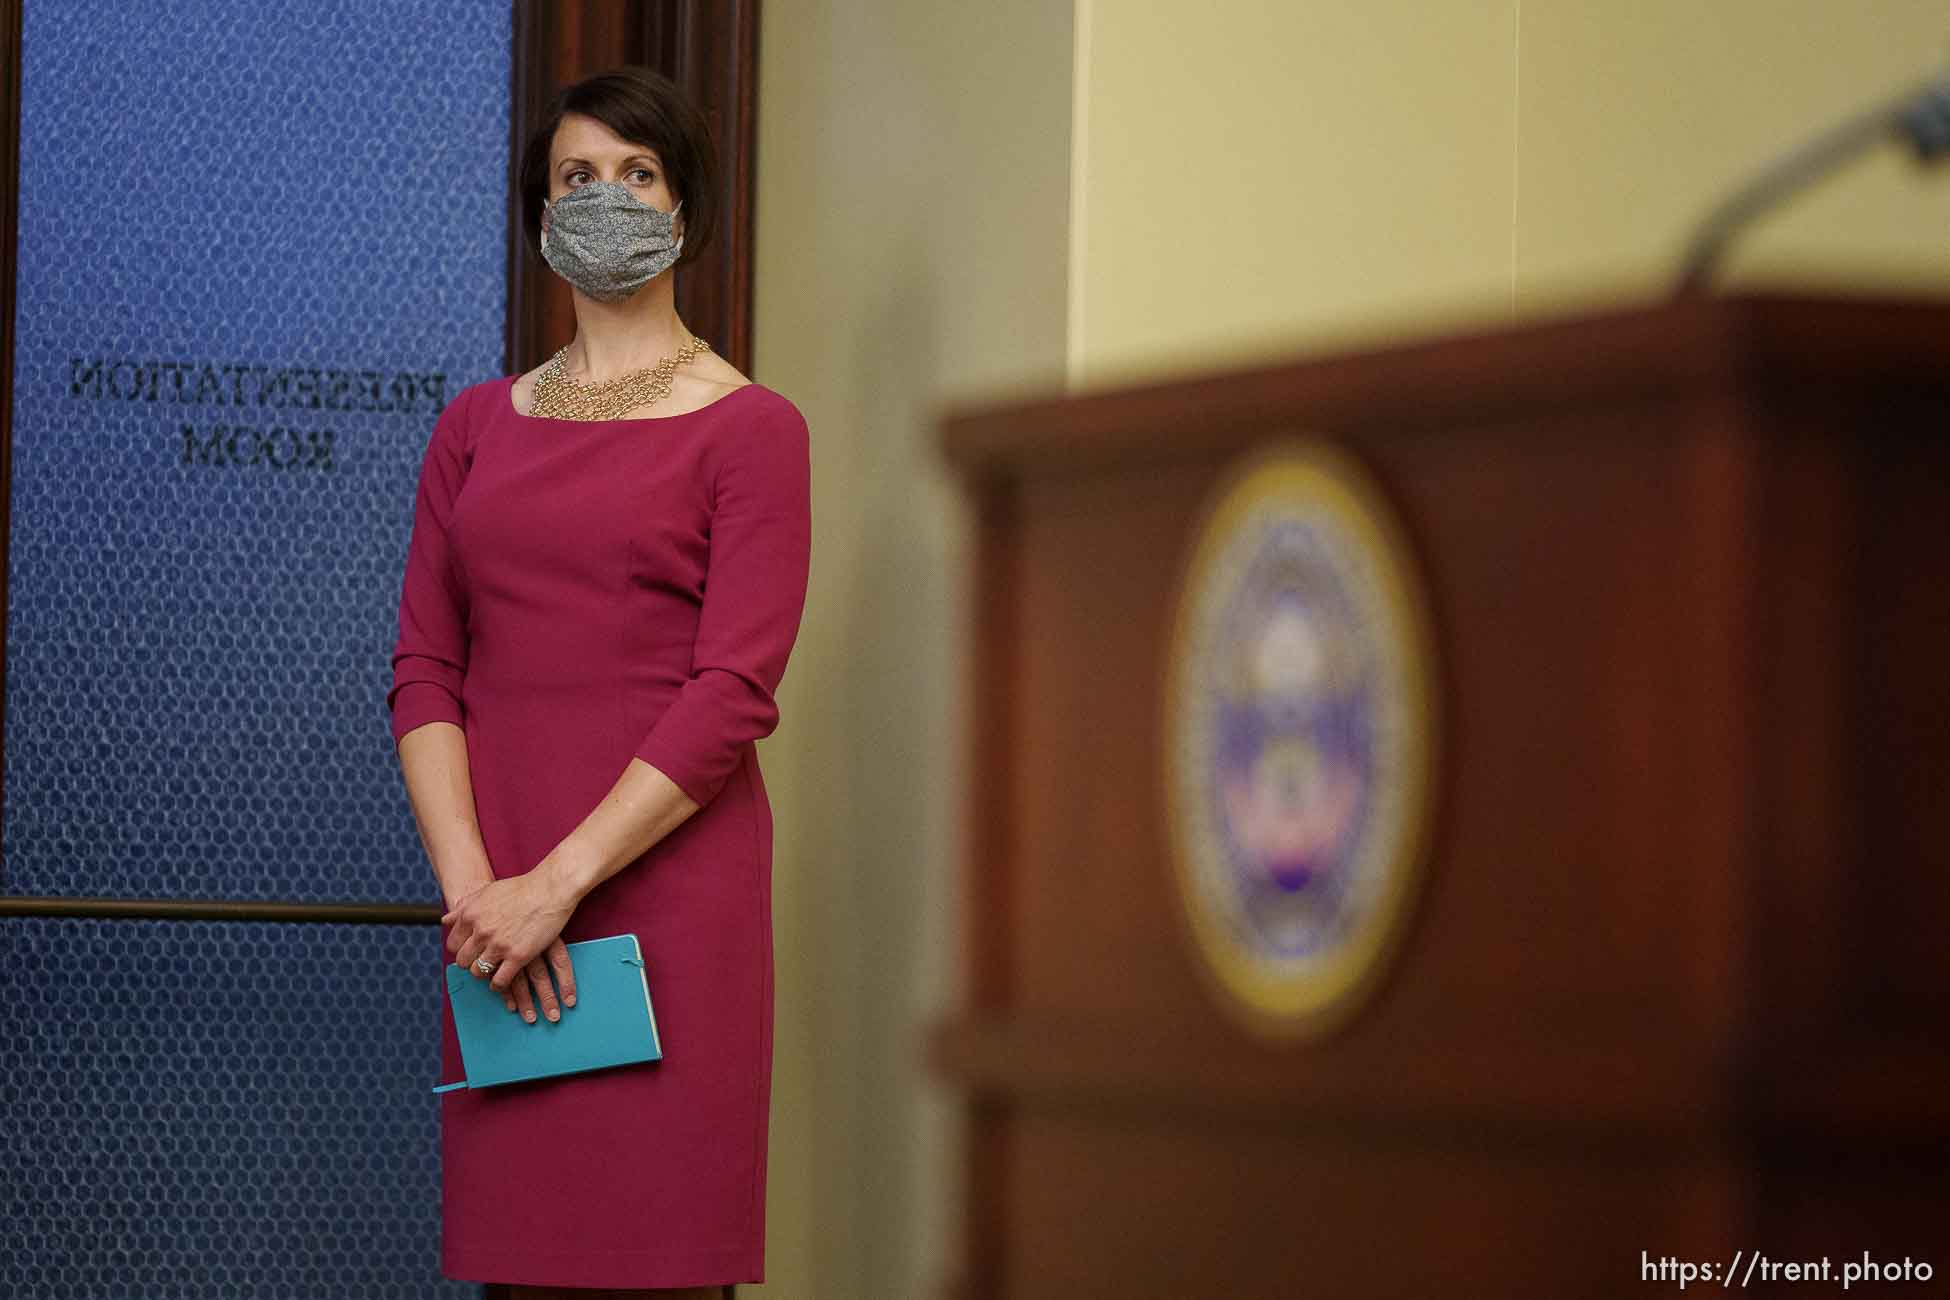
516, 923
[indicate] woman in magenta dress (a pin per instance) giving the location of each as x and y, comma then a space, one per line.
605, 579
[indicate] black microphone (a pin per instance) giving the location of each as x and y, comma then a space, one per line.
1920, 115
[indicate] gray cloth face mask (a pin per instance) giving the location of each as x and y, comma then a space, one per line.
606, 242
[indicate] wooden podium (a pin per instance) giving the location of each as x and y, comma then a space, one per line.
1677, 979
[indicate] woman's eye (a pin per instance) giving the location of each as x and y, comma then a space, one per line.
646, 173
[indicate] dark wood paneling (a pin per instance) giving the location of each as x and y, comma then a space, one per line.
1570, 502
1231, 1210
710, 49
1678, 949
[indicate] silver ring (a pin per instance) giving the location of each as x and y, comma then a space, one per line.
484, 966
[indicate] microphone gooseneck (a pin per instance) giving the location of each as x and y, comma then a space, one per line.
1920, 116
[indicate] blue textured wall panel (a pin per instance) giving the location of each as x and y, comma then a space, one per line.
219, 1109
261, 243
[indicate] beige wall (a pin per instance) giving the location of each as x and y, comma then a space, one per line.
1254, 178
913, 159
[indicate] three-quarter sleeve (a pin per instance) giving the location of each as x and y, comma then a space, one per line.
430, 656
754, 592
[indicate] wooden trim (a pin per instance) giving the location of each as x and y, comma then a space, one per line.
1655, 1084
708, 47
223, 909
529, 84
1869, 1089
1618, 355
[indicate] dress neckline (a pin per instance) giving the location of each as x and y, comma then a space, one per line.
508, 400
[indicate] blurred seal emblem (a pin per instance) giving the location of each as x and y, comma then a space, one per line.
1298, 733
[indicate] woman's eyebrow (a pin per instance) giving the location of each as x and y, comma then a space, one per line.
646, 157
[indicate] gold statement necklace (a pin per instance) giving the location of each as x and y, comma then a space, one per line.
559, 397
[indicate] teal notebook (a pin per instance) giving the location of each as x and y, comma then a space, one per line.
612, 1022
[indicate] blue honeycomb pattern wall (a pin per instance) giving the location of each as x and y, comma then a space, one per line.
219, 1109
261, 242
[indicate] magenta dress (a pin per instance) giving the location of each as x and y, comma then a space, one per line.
577, 594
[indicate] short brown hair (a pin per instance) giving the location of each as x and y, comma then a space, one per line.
644, 107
